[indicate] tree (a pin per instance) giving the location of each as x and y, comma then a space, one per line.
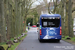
8, 18
2, 21
55, 6
27, 5
62, 16
70, 21
12, 15
66, 17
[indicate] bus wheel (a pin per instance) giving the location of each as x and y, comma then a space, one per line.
40, 40
58, 41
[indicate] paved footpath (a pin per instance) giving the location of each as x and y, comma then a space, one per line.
31, 43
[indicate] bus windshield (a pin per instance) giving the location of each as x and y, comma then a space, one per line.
50, 22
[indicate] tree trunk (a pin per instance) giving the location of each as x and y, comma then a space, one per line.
66, 18
24, 23
16, 15
62, 16
9, 33
49, 8
2, 21
70, 21
55, 5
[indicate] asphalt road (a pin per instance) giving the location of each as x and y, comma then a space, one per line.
31, 42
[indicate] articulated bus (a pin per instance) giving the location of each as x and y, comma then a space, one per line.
49, 27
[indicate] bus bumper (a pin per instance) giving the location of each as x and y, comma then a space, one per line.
51, 37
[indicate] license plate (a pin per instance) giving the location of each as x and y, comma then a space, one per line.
51, 36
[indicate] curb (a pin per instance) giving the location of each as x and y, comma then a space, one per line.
68, 42
18, 45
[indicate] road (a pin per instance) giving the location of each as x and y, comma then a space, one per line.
31, 42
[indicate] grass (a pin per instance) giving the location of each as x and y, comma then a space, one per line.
5, 46
26, 27
15, 44
73, 39
13, 38
23, 37
2, 43
65, 37
70, 41
25, 31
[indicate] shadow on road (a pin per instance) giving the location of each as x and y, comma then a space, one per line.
50, 41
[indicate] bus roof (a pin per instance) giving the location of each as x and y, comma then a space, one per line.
50, 15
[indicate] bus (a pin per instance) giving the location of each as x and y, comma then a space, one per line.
49, 27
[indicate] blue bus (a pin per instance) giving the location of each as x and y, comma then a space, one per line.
49, 27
